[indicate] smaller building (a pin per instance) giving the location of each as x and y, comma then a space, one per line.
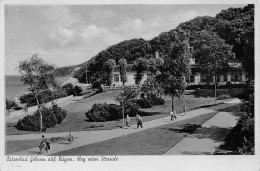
130, 76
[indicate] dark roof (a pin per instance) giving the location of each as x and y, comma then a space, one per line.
129, 67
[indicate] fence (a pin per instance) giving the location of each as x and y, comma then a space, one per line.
117, 87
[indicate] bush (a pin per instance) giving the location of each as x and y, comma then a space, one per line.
50, 117
10, 104
114, 111
77, 91
101, 112
44, 97
143, 103
223, 97
155, 100
245, 94
68, 88
131, 108
242, 137
59, 113
98, 113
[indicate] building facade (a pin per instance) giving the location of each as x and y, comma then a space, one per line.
233, 73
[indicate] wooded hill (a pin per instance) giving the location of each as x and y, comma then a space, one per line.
235, 26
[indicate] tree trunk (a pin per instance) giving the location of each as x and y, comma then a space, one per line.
172, 103
39, 108
215, 89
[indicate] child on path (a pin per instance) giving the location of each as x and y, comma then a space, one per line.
128, 121
139, 121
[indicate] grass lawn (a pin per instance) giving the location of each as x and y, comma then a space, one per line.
154, 141
76, 120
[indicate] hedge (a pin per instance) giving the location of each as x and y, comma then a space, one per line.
50, 117
44, 97
101, 112
70, 89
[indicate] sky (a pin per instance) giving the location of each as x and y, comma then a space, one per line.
66, 35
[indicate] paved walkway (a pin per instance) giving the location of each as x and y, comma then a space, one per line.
83, 138
14, 119
200, 144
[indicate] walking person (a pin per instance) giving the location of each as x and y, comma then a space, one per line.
139, 121
185, 109
70, 138
174, 114
171, 115
44, 145
128, 121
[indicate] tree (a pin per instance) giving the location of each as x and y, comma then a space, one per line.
211, 52
108, 68
122, 66
10, 104
77, 90
39, 76
236, 27
176, 66
140, 66
128, 94
68, 88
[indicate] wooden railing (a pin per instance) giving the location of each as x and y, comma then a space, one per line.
117, 87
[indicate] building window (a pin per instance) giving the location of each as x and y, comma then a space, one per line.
232, 78
218, 78
225, 77
192, 78
116, 77
209, 78
236, 77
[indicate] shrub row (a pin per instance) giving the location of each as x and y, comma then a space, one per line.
44, 97
50, 117
101, 112
242, 137
72, 90
150, 101
229, 85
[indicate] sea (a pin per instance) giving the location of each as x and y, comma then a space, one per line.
14, 87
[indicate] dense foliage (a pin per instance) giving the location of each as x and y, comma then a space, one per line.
234, 26
108, 71
101, 112
43, 97
38, 75
70, 89
122, 66
51, 116
9, 104
242, 137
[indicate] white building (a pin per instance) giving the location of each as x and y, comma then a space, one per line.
233, 73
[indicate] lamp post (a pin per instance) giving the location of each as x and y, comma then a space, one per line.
123, 113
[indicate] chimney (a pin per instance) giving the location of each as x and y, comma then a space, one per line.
156, 54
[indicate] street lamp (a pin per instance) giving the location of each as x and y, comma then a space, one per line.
123, 112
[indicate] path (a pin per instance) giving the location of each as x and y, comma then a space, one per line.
83, 138
14, 119
215, 131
